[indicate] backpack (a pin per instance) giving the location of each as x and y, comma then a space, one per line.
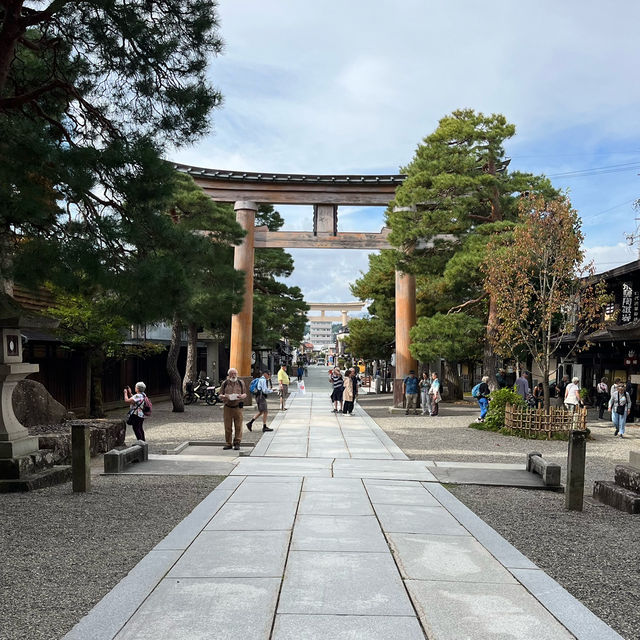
253, 387
475, 392
147, 407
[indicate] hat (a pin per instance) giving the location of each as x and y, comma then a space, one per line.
412, 371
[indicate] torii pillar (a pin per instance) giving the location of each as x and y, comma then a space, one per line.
405, 320
242, 322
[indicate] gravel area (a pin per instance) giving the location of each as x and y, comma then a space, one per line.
166, 430
593, 554
62, 552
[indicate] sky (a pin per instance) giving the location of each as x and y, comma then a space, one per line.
353, 87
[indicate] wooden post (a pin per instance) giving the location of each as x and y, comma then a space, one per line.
405, 320
80, 458
242, 322
575, 470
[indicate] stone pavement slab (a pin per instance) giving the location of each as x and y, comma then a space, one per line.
298, 627
333, 485
253, 516
343, 583
453, 558
490, 477
205, 608
267, 492
401, 493
385, 469
332, 504
338, 533
417, 519
467, 610
167, 465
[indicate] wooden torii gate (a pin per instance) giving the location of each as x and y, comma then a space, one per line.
325, 193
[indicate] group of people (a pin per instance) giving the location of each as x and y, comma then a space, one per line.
344, 390
428, 387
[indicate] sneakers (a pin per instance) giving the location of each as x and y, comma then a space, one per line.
249, 426
265, 429
227, 447
406, 413
236, 447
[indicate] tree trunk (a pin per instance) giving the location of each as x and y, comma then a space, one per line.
97, 366
452, 381
175, 389
545, 386
6, 263
190, 374
489, 358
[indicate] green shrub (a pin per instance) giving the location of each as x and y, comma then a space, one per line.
497, 403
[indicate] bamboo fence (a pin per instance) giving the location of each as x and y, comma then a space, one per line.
534, 421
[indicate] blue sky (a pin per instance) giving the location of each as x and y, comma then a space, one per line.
353, 87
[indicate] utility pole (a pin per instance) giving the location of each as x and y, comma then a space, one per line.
634, 238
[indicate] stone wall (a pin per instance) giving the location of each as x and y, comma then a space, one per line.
104, 435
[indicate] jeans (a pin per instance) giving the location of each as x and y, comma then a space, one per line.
425, 400
619, 421
484, 405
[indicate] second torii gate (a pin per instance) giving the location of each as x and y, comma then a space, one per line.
325, 193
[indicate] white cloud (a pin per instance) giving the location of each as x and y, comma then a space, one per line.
609, 257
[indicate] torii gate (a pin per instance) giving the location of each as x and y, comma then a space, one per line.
325, 193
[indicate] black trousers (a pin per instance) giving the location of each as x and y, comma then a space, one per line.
138, 430
347, 406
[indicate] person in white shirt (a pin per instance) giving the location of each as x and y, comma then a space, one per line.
261, 400
572, 396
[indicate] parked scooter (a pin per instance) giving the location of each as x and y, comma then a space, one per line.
203, 390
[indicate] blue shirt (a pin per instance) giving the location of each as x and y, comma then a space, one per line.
411, 384
262, 385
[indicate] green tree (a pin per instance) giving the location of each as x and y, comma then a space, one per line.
537, 280
370, 338
459, 192
90, 93
279, 311
378, 287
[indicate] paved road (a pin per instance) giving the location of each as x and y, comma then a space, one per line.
328, 531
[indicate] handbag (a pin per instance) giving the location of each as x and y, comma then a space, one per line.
621, 409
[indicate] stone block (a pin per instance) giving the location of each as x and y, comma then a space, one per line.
39, 480
616, 496
33, 404
549, 471
634, 459
627, 477
116, 460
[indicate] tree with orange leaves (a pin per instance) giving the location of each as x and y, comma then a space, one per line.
545, 296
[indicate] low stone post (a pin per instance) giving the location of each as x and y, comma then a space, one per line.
575, 470
80, 457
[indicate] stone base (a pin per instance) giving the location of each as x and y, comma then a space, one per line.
618, 497
40, 480
17, 448
23, 466
628, 477
634, 459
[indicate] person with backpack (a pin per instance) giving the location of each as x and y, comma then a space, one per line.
140, 407
232, 393
260, 389
410, 390
481, 393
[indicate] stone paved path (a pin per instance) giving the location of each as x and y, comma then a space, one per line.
328, 531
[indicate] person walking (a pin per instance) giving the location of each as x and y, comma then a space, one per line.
348, 395
572, 396
261, 394
136, 413
232, 393
410, 391
356, 383
300, 372
619, 407
501, 379
561, 387
336, 379
603, 396
434, 392
483, 398
425, 398
522, 386
283, 385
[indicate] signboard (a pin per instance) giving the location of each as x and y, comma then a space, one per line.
636, 305
635, 378
626, 308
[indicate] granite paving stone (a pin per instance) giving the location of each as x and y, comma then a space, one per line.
299, 627
453, 558
226, 554
198, 608
338, 533
268, 492
253, 516
417, 519
467, 610
333, 485
401, 494
343, 583
316, 503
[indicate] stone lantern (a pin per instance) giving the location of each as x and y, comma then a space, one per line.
22, 465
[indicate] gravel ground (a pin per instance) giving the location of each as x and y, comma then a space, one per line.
593, 554
62, 552
166, 430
